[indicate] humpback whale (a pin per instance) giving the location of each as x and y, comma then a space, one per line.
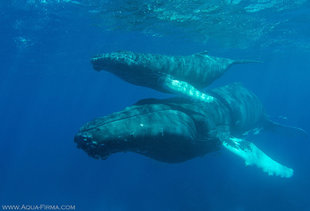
177, 129
183, 75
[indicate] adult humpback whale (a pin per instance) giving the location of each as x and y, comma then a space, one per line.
185, 75
176, 130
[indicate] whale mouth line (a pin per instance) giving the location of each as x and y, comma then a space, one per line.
115, 120
114, 64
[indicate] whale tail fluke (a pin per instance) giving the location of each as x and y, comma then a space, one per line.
286, 130
245, 61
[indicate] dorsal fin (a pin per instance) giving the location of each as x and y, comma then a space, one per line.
203, 53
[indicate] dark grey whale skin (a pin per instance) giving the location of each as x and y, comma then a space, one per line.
173, 130
149, 70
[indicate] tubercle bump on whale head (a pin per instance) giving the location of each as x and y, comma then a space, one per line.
114, 60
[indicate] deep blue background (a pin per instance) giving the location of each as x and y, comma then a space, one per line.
48, 89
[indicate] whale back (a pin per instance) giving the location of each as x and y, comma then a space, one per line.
245, 107
142, 69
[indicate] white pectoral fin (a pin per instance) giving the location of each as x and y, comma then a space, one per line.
181, 87
254, 156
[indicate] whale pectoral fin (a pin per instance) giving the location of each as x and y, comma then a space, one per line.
181, 87
252, 155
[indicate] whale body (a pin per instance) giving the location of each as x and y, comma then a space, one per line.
175, 130
183, 75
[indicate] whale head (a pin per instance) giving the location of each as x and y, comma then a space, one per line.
115, 61
154, 131
132, 67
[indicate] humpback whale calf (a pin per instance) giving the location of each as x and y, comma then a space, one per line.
183, 75
177, 129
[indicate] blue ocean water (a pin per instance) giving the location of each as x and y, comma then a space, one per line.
48, 90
